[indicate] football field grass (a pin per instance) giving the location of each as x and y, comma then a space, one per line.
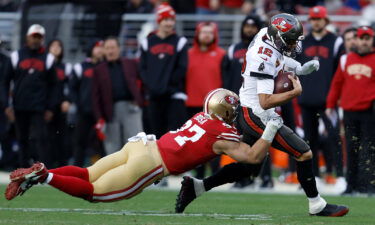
45, 205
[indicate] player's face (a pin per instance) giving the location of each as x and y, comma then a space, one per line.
34, 41
365, 43
111, 50
167, 25
250, 30
318, 24
350, 41
55, 49
206, 35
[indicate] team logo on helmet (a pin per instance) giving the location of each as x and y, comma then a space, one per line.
231, 100
282, 25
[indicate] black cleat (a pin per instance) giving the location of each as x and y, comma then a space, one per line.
333, 211
186, 195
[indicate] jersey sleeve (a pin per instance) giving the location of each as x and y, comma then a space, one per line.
229, 133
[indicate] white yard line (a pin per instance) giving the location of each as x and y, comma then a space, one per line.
142, 213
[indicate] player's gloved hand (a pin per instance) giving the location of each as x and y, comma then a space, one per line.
273, 125
308, 67
141, 136
99, 128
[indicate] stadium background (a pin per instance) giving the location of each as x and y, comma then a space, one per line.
78, 22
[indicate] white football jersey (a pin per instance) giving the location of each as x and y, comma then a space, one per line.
263, 63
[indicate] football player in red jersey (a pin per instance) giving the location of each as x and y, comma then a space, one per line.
144, 160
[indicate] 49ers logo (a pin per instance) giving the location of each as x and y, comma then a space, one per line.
231, 100
282, 25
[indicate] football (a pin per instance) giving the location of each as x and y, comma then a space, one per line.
283, 83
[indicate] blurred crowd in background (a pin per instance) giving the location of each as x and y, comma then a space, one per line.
74, 113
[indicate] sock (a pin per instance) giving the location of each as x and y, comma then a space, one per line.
71, 185
306, 178
198, 187
228, 174
72, 171
316, 204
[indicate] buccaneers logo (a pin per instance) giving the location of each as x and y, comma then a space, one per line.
231, 100
282, 25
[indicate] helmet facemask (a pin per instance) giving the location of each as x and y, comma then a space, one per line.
288, 47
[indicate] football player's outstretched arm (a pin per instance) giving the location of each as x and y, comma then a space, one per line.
268, 101
297, 68
245, 153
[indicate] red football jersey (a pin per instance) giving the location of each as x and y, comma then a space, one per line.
192, 144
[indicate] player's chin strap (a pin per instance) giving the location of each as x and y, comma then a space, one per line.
142, 136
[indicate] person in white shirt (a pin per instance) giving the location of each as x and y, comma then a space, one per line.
269, 53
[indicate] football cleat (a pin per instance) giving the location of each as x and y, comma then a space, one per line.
333, 211
16, 188
37, 172
186, 195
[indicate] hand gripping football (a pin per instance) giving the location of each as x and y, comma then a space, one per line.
283, 83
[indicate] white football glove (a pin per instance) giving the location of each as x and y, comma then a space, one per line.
273, 125
308, 67
141, 136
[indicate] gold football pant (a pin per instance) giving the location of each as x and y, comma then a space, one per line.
126, 173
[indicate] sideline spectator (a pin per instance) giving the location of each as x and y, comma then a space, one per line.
117, 97
354, 87
325, 46
8, 159
81, 97
34, 96
204, 74
163, 63
349, 37
60, 146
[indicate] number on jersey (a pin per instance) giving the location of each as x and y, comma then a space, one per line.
267, 51
197, 133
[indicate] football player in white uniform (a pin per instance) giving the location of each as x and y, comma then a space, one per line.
270, 52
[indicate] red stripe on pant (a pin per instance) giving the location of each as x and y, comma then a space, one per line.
259, 130
133, 192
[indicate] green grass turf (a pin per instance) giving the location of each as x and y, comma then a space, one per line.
45, 205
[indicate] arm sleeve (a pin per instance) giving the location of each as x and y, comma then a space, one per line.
291, 64
143, 60
179, 73
225, 76
229, 133
339, 50
336, 85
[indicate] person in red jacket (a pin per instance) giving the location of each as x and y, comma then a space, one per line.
354, 87
204, 74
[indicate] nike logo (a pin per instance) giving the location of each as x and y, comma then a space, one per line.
265, 59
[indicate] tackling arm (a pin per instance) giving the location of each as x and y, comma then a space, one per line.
242, 152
